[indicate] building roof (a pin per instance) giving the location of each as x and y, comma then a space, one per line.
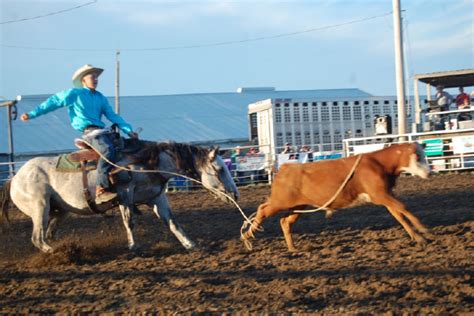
199, 118
448, 79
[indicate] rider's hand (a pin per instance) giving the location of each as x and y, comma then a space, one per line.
25, 117
133, 135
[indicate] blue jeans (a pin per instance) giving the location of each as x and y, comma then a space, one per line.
103, 143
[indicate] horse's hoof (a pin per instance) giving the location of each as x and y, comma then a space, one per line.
195, 248
47, 249
191, 247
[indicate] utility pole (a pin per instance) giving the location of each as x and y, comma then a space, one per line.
117, 82
400, 76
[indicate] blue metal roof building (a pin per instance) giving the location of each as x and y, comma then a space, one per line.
198, 118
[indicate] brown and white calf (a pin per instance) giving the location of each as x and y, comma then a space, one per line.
302, 186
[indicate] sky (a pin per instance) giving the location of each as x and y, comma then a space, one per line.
168, 47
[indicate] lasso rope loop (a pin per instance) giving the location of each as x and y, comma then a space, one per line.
324, 207
249, 228
217, 192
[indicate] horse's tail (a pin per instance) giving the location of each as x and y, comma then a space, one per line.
5, 200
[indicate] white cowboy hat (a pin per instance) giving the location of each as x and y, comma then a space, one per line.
81, 72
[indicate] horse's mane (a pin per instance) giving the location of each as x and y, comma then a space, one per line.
187, 157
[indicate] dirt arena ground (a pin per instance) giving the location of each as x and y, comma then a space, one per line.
359, 261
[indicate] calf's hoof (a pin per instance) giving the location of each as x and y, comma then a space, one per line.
423, 229
292, 250
420, 240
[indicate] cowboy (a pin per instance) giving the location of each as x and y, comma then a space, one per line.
85, 107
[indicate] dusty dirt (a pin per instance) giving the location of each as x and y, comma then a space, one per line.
359, 261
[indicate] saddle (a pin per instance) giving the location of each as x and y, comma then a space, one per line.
88, 154
86, 159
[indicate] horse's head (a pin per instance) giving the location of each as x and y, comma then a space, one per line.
216, 175
413, 161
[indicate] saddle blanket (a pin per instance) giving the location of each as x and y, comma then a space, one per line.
64, 164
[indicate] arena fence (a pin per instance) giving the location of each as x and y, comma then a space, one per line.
254, 165
451, 150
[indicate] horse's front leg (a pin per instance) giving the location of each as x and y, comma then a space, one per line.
126, 209
162, 210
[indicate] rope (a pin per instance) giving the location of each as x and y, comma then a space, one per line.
247, 228
217, 192
324, 207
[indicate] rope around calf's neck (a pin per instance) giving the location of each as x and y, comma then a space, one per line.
171, 173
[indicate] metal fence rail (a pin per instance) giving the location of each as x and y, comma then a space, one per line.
442, 155
262, 175
445, 150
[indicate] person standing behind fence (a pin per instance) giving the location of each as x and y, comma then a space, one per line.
252, 151
234, 155
462, 99
287, 149
305, 149
443, 98
85, 107
463, 102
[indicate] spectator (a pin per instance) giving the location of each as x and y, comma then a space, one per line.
234, 161
288, 149
305, 149
443, 98
462, 99
463, 102
234, 155
252, 151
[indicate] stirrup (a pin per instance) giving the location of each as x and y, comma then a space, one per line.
104, 196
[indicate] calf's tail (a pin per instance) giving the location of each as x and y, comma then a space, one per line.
5, 200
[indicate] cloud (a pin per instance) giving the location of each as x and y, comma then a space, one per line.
259, 15
439, 45
448, 35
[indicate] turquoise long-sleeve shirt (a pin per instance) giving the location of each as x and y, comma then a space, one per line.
85, 107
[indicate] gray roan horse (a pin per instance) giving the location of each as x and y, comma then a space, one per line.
46, 195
